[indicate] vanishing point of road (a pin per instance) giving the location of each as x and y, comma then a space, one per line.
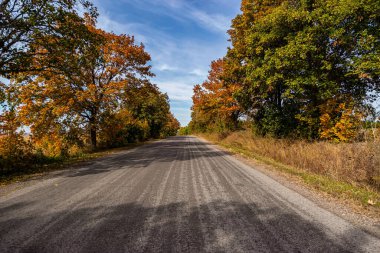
176, 195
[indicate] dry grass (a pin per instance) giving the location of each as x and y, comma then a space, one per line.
349, 162
346, 169
57, 163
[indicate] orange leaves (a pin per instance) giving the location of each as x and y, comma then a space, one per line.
339, 121
98, 78
120, 54
213, 100
83, 83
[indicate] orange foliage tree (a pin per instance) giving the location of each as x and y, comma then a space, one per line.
97, 88
213, 103
14, 148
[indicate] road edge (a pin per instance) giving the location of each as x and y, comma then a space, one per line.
346, 210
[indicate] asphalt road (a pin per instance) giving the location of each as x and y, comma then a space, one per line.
175, 195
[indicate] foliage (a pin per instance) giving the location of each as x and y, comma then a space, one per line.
214, 107
148, 104
54, 25
84, 98
297, 62
121, 128
171, 127
15, 150
339, 122
76, 87
183, 131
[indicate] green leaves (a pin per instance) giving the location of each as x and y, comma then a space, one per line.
72, 79
30, 29
292, 57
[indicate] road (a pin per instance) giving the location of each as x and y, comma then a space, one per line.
176, 195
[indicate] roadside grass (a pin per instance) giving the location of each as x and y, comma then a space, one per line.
48, 164
362, 194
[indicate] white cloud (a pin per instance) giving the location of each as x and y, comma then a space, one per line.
110, 25
166, 67
176, 90
182, 10
213, 22
179, 62
199, 72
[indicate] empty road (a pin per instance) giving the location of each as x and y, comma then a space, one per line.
176, 195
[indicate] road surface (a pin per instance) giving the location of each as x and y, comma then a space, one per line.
175, 195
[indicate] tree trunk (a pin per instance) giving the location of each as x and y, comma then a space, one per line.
93, 137
93, 131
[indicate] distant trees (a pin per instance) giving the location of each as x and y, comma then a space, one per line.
214, 107
74, 85
305, 68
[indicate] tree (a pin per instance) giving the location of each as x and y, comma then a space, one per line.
53, 25
144, 114
15, 150
147, 103
294, 57
213, 103
85, 96
171, 127
120, 128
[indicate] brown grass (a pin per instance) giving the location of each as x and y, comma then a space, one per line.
347, 171
355, 163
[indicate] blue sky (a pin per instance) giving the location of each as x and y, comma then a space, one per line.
182, 36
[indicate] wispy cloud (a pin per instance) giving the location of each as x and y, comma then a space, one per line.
183, 10
177, 91
181, 36
105, 22
214, 22
166, 67
199, 72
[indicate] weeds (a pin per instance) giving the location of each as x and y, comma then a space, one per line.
346, 170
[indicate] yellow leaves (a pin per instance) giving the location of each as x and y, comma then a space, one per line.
364, 75
52, 145
339, 121
61, 110
259, 49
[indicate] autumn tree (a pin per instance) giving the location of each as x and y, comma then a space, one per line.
171, 127
214, 106
293, 58
144, 113
15, 150
54, 25
85, 96
119, 128
147, 103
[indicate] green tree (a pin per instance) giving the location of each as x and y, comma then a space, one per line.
296, 57
146, 102
53, 25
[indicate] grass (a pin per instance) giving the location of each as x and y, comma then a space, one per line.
286, 157
49, 164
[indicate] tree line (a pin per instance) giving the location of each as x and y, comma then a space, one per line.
72, 85
296, 68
